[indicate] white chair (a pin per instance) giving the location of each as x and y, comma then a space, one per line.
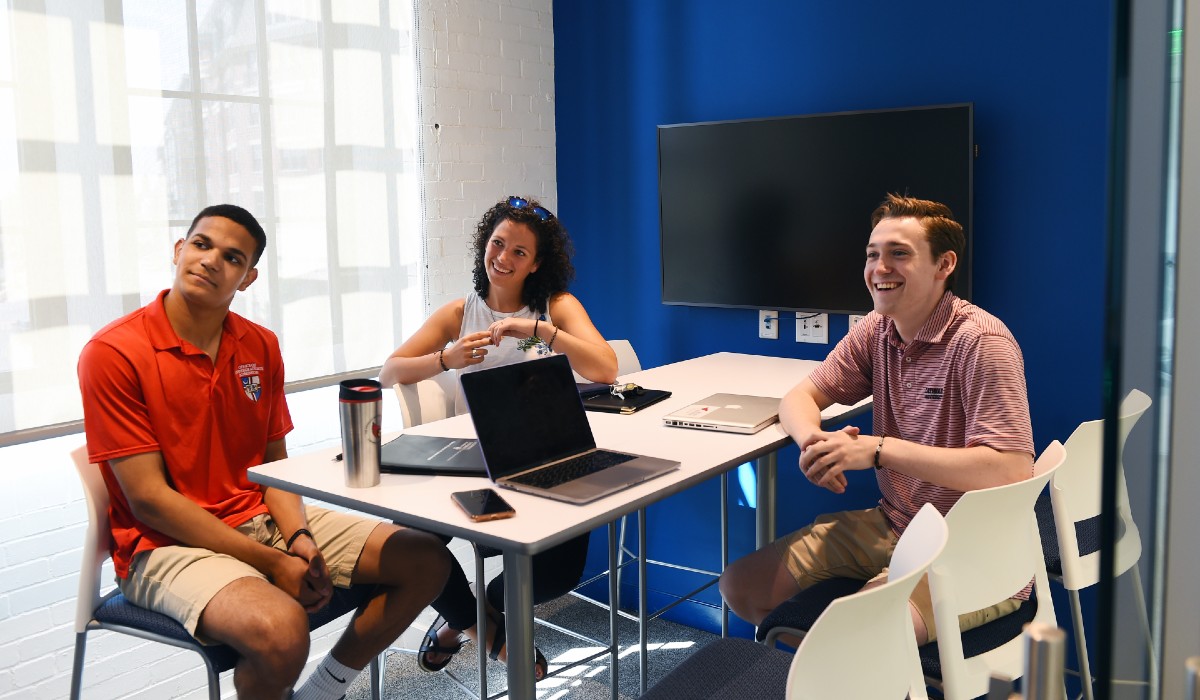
427, 400
627, 360
112, 611
1075, 494
874, 625
994, 551
627, 363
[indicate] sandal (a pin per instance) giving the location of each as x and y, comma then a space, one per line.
540, 666
430, 645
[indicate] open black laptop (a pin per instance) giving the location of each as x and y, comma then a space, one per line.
535, 435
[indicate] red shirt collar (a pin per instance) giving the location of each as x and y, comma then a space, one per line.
163, 336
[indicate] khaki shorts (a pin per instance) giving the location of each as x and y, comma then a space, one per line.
179, 581
859, 544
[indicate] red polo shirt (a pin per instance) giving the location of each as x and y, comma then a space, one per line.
146, 390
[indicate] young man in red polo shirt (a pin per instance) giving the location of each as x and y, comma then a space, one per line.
950, 415
180, 398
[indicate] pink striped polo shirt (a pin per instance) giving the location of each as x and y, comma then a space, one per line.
960, 382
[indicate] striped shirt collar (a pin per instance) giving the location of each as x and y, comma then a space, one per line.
934, 327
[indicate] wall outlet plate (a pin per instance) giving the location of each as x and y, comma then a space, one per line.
768, 324
812, 328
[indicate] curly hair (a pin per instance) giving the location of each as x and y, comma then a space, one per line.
554, 251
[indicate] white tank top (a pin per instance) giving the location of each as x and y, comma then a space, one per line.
477, 316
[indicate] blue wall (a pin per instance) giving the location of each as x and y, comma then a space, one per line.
1038, 76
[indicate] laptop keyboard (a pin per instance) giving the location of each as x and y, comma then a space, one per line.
571, 469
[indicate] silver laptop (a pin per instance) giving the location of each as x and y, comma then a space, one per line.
535, 436
730, 413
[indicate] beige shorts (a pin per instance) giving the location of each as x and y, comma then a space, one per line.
859, 544
179, 581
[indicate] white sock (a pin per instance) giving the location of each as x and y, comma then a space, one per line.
328, 681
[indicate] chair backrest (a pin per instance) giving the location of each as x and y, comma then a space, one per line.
874, 625
427, 400
95, 544
993, 552
627, 360
1075, 493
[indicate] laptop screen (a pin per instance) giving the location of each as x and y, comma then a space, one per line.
527, 414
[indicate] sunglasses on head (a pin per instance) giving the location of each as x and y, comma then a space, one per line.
519, 203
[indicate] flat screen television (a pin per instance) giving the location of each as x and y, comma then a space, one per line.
775, 213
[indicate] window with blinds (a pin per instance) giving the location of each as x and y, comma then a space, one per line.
120, 120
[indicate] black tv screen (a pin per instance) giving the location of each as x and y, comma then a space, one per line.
775, 213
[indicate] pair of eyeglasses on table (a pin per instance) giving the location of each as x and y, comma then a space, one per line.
618, 389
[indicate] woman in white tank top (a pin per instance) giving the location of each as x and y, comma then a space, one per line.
518, 310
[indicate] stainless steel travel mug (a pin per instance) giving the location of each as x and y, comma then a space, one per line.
360, 402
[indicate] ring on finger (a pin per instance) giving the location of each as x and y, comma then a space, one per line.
475, 353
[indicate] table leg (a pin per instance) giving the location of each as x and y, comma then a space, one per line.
518, 616
481, 621
614, 600
724, 548
764, 532
644, 664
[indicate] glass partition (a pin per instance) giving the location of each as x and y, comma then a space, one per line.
1148, 127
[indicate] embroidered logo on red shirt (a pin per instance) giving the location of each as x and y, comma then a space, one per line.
252, 386
934, 393
250, 374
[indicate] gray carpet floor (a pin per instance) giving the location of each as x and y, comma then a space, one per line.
668, 643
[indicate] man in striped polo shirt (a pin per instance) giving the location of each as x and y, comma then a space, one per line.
950, 415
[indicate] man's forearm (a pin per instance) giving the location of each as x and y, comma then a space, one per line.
958, 468
799, 414
287, 509
177, 517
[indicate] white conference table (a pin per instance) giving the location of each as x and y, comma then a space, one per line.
424, 501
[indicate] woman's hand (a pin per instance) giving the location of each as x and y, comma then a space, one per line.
467, 350
513, 328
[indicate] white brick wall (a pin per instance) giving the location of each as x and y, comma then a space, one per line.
488, 74
487, 120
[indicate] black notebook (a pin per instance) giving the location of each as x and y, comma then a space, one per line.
423, 454
605, 402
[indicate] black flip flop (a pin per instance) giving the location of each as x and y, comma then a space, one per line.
430, 645
541, 668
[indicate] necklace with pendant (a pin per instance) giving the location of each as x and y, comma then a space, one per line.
495, 318
492, 313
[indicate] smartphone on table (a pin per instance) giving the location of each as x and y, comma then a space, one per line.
483, 504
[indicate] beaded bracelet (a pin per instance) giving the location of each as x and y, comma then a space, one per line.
878, 450
552, 337
442, 360
296, 534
